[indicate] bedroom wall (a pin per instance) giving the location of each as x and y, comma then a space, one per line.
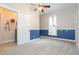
66, 22
77, 35
27, 22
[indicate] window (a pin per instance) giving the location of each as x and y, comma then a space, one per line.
52, 26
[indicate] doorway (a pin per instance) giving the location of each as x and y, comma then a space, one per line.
8, 26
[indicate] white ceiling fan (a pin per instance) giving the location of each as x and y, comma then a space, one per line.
40, 7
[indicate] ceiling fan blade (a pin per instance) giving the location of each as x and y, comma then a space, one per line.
46, 6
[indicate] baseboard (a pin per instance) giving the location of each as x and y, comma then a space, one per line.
58, 38
34, 39
7, 41
19, 44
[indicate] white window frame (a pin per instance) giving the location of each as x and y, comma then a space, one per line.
52, 26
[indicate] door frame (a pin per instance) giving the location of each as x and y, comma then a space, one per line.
11, 9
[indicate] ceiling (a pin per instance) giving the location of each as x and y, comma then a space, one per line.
54, 6
57, 6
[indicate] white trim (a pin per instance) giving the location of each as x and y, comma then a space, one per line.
3, 42
9, 8
58, 38
28, 41
34, 39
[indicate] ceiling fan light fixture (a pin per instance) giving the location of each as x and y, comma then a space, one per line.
40, 8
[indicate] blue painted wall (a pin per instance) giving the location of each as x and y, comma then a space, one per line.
34, 34
44, 32
66, 34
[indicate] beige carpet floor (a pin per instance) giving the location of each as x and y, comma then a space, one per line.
40, 47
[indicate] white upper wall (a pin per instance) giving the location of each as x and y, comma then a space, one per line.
57, 6
77, 32
66, 17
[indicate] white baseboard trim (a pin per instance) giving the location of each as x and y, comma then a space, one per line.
34, 39
7, 41
19, 44
58, 38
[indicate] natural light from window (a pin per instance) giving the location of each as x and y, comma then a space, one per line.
53, 25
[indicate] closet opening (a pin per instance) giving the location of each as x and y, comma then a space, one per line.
8, 26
